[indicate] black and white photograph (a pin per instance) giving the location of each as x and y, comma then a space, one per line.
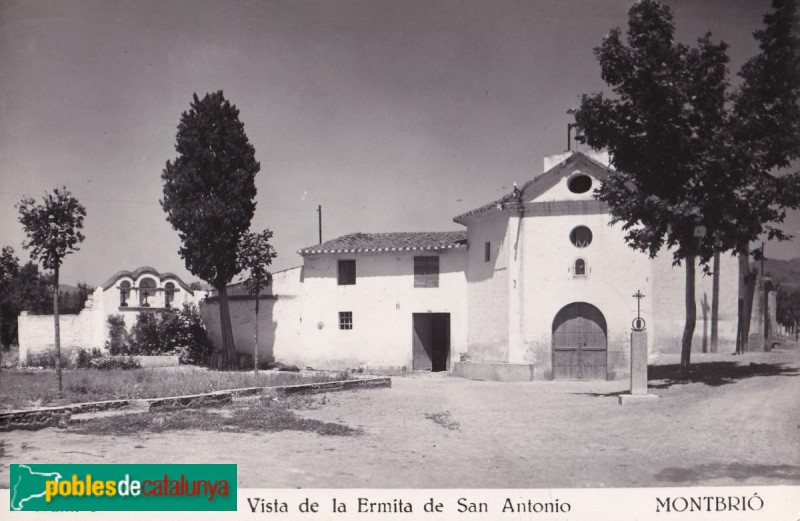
374, 245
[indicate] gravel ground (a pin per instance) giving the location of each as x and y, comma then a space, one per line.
737, 423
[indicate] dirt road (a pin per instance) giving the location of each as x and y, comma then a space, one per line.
741, 426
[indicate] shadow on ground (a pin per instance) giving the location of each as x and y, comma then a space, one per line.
737, 471
714, 373
708, 373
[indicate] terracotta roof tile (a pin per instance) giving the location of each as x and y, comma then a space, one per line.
389, 242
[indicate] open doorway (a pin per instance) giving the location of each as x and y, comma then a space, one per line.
431, 341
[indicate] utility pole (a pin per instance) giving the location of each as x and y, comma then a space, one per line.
319, 211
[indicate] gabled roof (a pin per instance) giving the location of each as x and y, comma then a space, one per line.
389, 242
141, 270
543, 182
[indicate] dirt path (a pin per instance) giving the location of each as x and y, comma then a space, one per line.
432, 430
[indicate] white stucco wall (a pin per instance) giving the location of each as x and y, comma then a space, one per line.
668, 305
382, 302
37, 333
278, 318
89, 329
487, 289
614, 273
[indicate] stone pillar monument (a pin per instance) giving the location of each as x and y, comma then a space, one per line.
638, 390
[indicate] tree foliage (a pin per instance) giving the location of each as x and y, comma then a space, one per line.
53, 228
663, 131
209, 189
763, 133
693, 174
209, 197
255, 255
660, 128
175, 331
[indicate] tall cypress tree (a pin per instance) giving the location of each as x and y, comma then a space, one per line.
209, 198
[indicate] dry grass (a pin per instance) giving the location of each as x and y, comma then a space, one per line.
26, 388
264, 415
443, 419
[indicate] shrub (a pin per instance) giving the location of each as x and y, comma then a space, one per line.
179, 332
46, 359
119, 340
96, 359
147, 338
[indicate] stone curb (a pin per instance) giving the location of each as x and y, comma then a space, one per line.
58, 416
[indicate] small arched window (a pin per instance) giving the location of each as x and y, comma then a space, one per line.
124, 292
169, 294
147, 289
580, 267
580, 236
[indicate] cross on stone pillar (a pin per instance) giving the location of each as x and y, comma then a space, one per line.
638, 390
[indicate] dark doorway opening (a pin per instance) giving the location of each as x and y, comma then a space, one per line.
431, 341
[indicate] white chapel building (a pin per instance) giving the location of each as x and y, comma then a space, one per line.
537, 286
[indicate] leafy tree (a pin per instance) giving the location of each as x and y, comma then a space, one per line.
54, 229
209, 192
26, 289
255, 255
9, 270
764, 141
663, 131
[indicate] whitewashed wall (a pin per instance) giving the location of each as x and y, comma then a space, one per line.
278, 318
487, 289
89, 329
382, 301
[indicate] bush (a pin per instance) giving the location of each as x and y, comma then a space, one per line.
46, 359
180, 332
147, 337
96, 359
119, 340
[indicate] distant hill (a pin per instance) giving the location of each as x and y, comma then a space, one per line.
785, 272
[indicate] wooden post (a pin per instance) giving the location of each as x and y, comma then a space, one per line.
715, 304
319, 211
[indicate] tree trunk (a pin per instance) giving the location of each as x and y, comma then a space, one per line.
255, 341
744, 315
226, 358
691, 317
57, 332
715, 305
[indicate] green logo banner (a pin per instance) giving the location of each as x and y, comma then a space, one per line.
119, 487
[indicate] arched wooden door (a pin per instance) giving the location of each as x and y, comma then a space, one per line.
580, 345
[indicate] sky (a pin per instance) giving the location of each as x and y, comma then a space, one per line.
392, 115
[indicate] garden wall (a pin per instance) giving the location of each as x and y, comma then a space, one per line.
37, 334
278, 318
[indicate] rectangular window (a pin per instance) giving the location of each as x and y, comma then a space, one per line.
487, 252
347, 272
426, 272
345, 320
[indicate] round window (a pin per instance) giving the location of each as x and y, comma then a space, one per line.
579, 184
580, 236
